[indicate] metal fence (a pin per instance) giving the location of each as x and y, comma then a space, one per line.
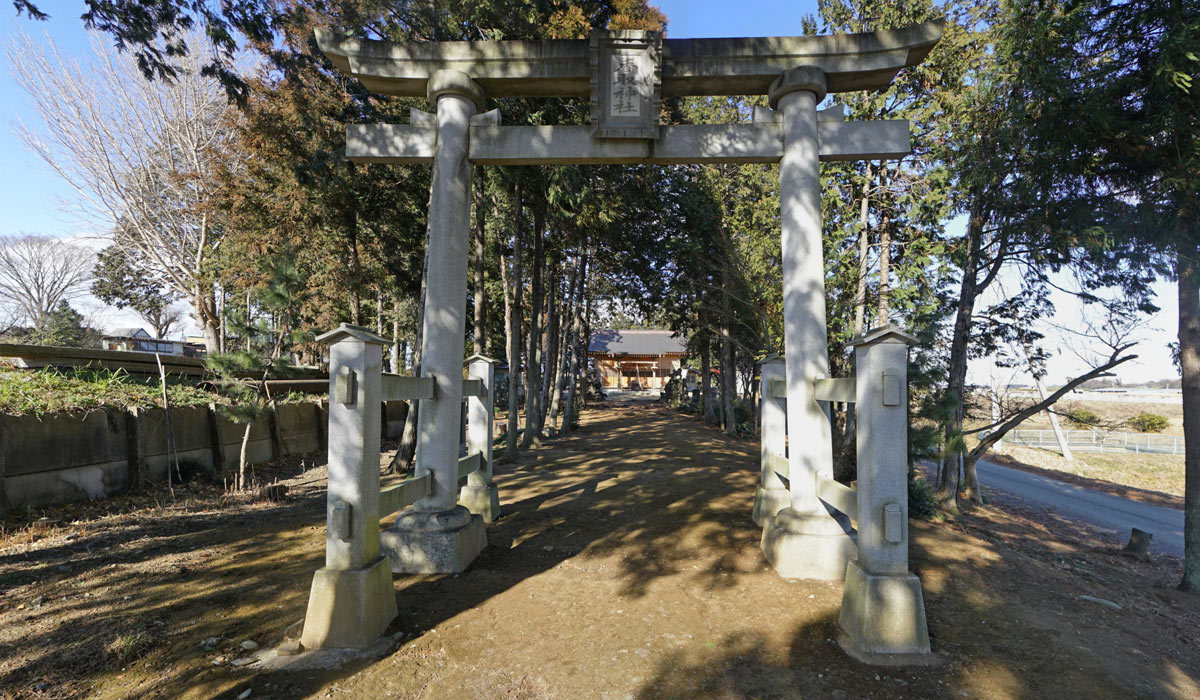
1098, 441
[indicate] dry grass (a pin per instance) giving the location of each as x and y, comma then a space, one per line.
1113, 416
1153, 472
1159, 473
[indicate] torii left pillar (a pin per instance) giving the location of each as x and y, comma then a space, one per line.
804, 540
436, 535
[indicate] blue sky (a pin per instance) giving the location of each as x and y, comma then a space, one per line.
718, 18
30, 194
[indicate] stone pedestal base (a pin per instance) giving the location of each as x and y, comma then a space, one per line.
810, 546
349, 608
768, 503
433, 543
883, 619
481, 499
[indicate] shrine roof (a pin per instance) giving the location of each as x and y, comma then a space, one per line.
637, 342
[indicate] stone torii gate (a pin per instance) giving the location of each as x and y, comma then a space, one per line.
625, 74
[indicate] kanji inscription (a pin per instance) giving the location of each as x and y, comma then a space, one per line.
625, 83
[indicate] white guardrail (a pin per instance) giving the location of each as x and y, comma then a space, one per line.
1098, 441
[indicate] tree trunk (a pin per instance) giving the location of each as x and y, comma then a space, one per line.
350, 223
379, 323
728, 383
397, 357
533, 370
564, 348
948, 475
578, 348
205, 304
550, 342
885, 260
512, 311
1188, 272
241, 484
710, 415
249, 322
407, 449
480, 332
224, 317
728, 371
864, 248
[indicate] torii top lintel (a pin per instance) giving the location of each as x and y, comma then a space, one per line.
560, 67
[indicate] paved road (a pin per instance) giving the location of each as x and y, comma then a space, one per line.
1113, 512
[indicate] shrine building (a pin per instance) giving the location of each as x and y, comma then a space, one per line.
636, 359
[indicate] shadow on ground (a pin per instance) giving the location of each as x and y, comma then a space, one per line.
625, 565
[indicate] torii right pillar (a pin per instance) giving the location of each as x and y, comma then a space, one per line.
804, 540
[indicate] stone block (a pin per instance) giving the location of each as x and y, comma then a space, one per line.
259, 449
296, 424
71, 485
189, 432
883, 618
768, 503
444, 542
349, 608
807, 546
481, 499
59, 441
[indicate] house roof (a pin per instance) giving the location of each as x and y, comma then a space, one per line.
130, 332
637, 342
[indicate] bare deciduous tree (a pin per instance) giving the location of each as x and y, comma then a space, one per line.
141, 155
38, 272
1102, 344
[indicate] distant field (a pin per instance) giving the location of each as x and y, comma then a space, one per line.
1113, 415
1153, 472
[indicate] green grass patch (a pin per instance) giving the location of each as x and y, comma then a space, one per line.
52, 390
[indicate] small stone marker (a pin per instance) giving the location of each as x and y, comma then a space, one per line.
1139, 541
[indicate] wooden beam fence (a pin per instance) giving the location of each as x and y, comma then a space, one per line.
838, 495
401, 388
841, 390
403, 494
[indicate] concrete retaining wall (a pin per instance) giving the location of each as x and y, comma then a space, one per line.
71, 457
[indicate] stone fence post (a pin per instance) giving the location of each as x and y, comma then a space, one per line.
771, 496
480, 495
883, 612
352, 600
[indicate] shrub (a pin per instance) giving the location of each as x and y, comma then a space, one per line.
743, 416
1148, 423
921, 503
1082, 418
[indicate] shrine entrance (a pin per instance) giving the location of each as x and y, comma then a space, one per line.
625, 74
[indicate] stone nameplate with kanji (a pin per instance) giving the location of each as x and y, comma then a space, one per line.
626, 83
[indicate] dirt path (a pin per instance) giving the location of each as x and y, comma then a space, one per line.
625, 566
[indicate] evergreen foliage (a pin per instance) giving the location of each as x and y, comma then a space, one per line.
63, 327
1149, 423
